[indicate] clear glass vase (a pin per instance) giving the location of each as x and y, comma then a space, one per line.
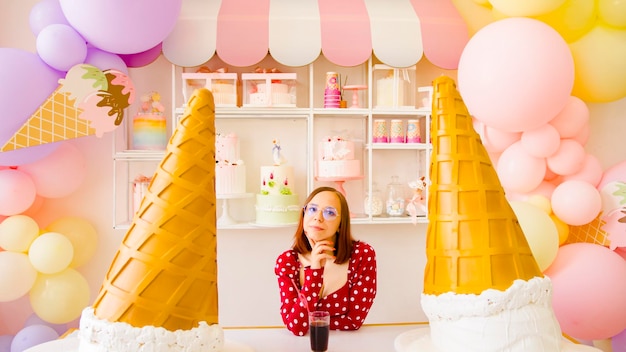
395, 201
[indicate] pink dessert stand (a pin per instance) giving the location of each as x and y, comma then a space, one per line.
339, 181
355, 94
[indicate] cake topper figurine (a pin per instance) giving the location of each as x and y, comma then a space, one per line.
278, 158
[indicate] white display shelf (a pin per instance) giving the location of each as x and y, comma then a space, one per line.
303, 126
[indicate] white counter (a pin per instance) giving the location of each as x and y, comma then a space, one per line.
371, 338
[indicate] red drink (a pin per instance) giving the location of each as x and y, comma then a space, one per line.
319, 336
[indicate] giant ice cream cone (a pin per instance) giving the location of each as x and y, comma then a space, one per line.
474, 241
165, 272
55, 120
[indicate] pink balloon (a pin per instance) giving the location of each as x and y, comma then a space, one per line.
516, 74
26, 76
542, 141
571, 120
616, 172
576, 202
60, 174
142, 59
568, 159
137, 26
45, 13
493, 139
519, 171
17, 192
35, 207
61, 47
105, 60
588, 291
591, 172
545, 189
583, 135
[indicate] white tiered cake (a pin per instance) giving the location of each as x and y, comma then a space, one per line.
277, 203
230, 170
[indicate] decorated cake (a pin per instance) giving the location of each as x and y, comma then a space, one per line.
336, 158
483, 290
160, 293
277, 203
149, 125
230, 171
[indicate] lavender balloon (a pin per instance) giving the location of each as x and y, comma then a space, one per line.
122, 26
5, 343
32, 336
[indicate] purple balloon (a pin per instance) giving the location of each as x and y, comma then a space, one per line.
144, 58
122, 26
5, 343
32, 336
34, 319
61, 47
25, 83
105, 60
618, 342
45, 13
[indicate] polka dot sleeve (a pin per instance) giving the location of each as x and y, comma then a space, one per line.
292, 309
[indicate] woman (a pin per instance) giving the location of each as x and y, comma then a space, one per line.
326, 267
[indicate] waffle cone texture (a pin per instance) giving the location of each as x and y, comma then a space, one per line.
55, 120
474, 241
165, 271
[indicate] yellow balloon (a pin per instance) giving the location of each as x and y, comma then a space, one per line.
60, 298
572, 19
613, 12
475, 15
562, 228
17, 232
51, 253
540, 202
520, 8
81, 233
599, 58
540, 232
17, 275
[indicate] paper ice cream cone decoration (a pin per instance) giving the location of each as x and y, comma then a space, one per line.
474, 241
87, 102
165, 272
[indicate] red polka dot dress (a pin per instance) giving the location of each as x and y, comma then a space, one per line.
348, 306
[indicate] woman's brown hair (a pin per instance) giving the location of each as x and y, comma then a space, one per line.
343, 243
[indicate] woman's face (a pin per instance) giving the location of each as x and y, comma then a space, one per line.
322, 217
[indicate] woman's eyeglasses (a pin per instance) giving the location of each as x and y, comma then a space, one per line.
329, 213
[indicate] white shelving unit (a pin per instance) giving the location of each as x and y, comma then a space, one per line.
299, 128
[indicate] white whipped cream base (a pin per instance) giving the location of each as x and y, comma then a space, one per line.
98, 335
520, 319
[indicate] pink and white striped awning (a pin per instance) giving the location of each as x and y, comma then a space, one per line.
295, 32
